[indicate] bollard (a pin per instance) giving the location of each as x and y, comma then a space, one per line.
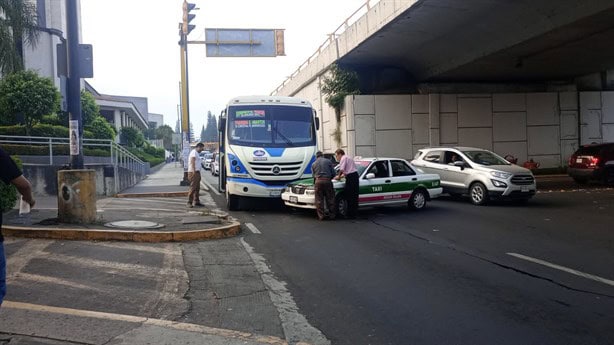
77, 196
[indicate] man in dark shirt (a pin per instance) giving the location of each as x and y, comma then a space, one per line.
10, 173
323, 172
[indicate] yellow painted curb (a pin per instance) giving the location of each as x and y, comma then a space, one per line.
230, 230
152, 195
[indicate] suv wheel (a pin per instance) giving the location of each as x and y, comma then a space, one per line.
478, 194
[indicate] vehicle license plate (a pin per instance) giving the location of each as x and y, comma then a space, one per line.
578, 160
524, 188
294, 199
275, 193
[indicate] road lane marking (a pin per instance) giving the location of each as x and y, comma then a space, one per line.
296, 327
181, 326
564, 269
214, 190
253, 228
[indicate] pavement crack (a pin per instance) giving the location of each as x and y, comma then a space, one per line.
490, 261
241, 295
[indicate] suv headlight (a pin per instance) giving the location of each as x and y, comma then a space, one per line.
501, 174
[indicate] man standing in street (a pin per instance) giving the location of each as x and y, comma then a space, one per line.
194, 166
323, 172
347, 168
10, 173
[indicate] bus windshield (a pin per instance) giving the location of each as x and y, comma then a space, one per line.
271, 126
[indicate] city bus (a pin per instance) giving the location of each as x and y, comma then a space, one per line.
265, 142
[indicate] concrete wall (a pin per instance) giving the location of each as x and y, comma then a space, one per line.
539, 126
44, 179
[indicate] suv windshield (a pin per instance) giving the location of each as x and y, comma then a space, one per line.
485, 158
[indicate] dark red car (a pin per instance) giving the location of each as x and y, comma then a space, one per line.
593, 162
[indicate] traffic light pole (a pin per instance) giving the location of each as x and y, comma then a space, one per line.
185, 106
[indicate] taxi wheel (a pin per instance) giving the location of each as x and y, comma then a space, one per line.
417, 200
478, 194
342, 206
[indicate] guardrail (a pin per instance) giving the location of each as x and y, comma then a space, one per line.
364, 8
118, 156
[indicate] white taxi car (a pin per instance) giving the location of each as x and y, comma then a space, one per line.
382, 181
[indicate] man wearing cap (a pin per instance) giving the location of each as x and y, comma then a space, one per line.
323, 172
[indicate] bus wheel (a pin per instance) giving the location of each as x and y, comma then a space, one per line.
232, 202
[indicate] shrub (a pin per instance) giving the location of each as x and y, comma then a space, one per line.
132, 137
101, 129
8, 193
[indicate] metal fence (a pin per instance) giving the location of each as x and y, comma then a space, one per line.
111, 153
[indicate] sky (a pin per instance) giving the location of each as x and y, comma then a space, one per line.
136, 51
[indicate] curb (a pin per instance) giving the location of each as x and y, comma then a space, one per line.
152, 195
230, 230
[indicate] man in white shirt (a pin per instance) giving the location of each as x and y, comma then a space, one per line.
194, 166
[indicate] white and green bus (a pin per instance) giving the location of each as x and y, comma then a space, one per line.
265, 143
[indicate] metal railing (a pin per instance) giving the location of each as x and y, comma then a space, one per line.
362, 10
118, 156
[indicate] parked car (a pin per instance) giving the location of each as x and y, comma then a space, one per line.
215, 166
592, 162
207, 159
481, 174
382, 181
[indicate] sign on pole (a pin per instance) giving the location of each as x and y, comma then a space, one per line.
244, 42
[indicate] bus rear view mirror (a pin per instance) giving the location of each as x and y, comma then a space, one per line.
317, 123
222, 124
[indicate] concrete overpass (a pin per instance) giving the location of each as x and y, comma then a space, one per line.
545, 68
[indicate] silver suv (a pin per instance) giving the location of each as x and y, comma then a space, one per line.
482, 174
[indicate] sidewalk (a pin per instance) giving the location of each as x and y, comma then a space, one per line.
154, 210
56, 325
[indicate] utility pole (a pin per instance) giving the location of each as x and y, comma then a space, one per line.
74, 86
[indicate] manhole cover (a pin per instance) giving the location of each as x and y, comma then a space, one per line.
134, 224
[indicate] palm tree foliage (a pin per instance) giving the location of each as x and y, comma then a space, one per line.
18, 25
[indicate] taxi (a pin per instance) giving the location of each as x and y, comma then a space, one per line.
382, 181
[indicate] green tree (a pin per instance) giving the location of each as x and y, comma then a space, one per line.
101, 129
340, 84
132, 137
165, 133
26, 97
211, 133
203, 135
8, 192
17, 26
90, 111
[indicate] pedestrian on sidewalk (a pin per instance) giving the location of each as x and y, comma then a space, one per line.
323, 172
10, 173
347, 169
194, 166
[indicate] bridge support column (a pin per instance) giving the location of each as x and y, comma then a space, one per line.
434, 116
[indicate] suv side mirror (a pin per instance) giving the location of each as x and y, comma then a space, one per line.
370, 176
460, 164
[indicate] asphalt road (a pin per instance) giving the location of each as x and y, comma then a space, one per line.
453, 273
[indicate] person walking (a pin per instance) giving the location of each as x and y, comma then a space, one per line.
194, 166
10, 173
323, 172
347, 169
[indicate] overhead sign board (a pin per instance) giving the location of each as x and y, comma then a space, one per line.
244, 42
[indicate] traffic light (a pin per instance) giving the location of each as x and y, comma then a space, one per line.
186, 27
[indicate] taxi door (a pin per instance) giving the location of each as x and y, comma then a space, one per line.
375, 184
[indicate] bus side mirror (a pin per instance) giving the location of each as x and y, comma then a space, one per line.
222, 124
317, 123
